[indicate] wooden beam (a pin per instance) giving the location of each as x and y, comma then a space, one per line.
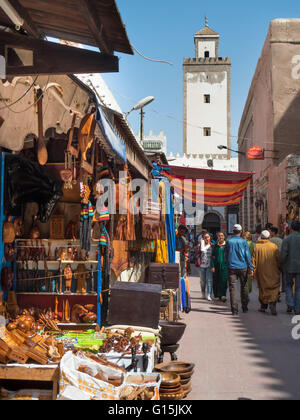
95, 25
29, 25
52, 58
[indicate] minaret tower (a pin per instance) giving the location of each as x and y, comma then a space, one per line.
207, 79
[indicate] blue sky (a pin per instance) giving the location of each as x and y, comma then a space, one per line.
164, 29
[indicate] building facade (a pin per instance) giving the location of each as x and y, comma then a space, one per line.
271, 121
206, 79
155, 143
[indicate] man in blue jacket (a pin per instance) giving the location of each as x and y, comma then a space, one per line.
239, 267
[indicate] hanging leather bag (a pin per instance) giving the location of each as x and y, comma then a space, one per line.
8, 231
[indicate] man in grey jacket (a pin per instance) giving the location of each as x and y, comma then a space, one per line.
290, 256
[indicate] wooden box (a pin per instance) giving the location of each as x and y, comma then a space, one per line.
57, 227
135, 304
167, 275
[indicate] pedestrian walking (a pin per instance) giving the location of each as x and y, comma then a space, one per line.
275, 238
278, 241
204, 253
239, 267
182, 246
248, 238
290, 257
267, 269
219, 269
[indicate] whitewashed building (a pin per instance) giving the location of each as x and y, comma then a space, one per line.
207, 121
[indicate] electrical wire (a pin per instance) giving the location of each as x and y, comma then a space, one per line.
32, 105
21, 97
151, 59
153, 110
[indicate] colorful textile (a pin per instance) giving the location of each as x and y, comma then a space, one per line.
221, 188
185, 296
162, 255
104, 237
86, 220
220, 278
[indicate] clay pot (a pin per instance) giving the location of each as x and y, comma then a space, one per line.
171, 332
164, 302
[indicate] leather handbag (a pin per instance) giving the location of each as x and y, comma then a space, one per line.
9, 234
198, 257
167, 275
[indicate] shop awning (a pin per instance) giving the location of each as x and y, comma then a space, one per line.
115, 142
221, 188
92, 22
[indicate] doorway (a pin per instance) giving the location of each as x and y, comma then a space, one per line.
212, 223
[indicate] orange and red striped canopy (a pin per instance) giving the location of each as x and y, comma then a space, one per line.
219, 188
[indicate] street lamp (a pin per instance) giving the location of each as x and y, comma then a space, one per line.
140, 106
221, 147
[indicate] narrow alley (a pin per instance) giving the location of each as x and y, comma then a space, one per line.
252, 356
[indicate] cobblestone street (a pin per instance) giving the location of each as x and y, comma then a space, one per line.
252, 356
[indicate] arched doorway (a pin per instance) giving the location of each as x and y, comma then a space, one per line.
212, 223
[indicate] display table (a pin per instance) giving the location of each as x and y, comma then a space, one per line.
32, 373
125, 360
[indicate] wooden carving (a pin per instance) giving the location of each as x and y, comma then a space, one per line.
81, 277
8, 231
42, 149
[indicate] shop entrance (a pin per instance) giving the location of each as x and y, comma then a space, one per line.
212, 223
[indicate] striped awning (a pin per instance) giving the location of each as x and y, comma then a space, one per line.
216, 188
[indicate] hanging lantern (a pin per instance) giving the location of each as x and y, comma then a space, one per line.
256, 153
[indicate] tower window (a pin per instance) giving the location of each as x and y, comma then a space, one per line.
206, 54
207, 131
207, 99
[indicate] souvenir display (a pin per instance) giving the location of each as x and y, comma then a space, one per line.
19, 227
9, 252
7, 277
81, 275
66, 260
57, 227
9, 233
34, 231
68, 274
71, 230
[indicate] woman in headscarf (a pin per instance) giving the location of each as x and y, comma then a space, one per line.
220, 269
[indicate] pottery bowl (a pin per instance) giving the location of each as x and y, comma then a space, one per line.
169, 379
186, 375
180, 368
171, 332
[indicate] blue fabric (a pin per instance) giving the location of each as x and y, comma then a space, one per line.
170, 222
183, 294
237, 254
111, 136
